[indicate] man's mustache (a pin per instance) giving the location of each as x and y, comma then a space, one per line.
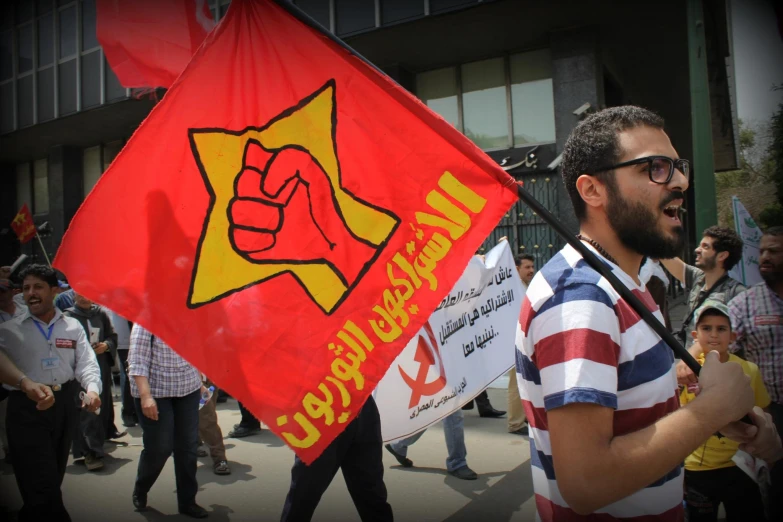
673, 197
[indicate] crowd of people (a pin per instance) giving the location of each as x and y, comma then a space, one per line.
617, 426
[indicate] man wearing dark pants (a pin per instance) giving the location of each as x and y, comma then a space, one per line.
166, 391
358, 451
249, 425
51, 349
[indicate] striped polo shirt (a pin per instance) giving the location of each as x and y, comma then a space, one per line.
579, 342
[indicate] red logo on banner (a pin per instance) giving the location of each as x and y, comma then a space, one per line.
426, 353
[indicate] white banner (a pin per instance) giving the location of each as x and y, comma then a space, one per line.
747, 270
467, 343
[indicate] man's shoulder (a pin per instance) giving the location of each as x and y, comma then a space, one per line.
566, 273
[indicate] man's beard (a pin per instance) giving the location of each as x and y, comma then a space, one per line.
636, 226
707, 263
774, 277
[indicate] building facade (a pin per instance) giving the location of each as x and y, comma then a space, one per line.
515, 77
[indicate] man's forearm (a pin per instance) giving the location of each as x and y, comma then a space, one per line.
675, 267
143, 384
9, 373
633, 461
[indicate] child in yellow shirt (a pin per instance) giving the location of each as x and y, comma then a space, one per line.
711, 477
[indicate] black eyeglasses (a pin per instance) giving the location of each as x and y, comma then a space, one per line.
660, 168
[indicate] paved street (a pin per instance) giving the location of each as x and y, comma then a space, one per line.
260, 477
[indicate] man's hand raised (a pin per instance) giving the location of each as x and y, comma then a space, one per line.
727, 389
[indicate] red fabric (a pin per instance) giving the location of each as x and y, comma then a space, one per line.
148, 43
287, 218
23, 224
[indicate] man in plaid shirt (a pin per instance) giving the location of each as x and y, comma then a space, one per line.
166, 391
757, 319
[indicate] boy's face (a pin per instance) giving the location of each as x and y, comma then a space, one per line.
714, 333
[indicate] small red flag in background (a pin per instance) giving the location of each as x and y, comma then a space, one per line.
287, 218
148, 43
23, 224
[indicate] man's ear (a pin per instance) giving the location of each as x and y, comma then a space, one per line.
591, 190
733, 337
722, 256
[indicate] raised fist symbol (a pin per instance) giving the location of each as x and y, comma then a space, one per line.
284, 212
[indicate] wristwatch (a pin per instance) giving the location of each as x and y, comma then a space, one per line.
19, 384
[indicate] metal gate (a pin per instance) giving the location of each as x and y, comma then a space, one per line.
526, 231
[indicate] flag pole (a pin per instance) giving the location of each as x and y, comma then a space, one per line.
43, 249
542, 212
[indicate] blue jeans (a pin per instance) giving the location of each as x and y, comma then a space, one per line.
454, 431
175, 431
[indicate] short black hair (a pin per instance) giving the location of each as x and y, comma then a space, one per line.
594, 145
46, 273
725, 240
773, 231
711, 312
524, 257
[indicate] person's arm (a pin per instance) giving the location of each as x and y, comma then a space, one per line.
139, 362
88, 372
594, 468
11, 375
676, 267
110, 337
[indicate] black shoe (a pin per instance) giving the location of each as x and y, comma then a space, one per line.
490, 412
464, 473
117, 435
240, 431
468, 406
521, 431
194, 511
139, 500
129, 421
405, 462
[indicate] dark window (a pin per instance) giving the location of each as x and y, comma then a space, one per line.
46, 94
354, 15
444, 5
24, 99
46, 40
7, 107
399, 10
67, 87
114, 90
44, 6
6, 15
25, 50
91, 79
89, 35
24, 10
67, 32
6, 54
317, 9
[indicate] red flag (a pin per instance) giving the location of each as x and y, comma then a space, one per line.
23, 224
148, 43
290, 239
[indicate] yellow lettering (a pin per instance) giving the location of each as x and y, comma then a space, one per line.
394, 330
454, 188
399, 282
456, 221
435, 250
316, 407
344, 395
345, 372
312, 435
406, 267
359, 334
353, 345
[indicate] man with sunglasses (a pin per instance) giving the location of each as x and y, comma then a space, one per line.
607, 434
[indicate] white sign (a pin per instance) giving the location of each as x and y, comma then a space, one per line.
467, 343
747, 270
